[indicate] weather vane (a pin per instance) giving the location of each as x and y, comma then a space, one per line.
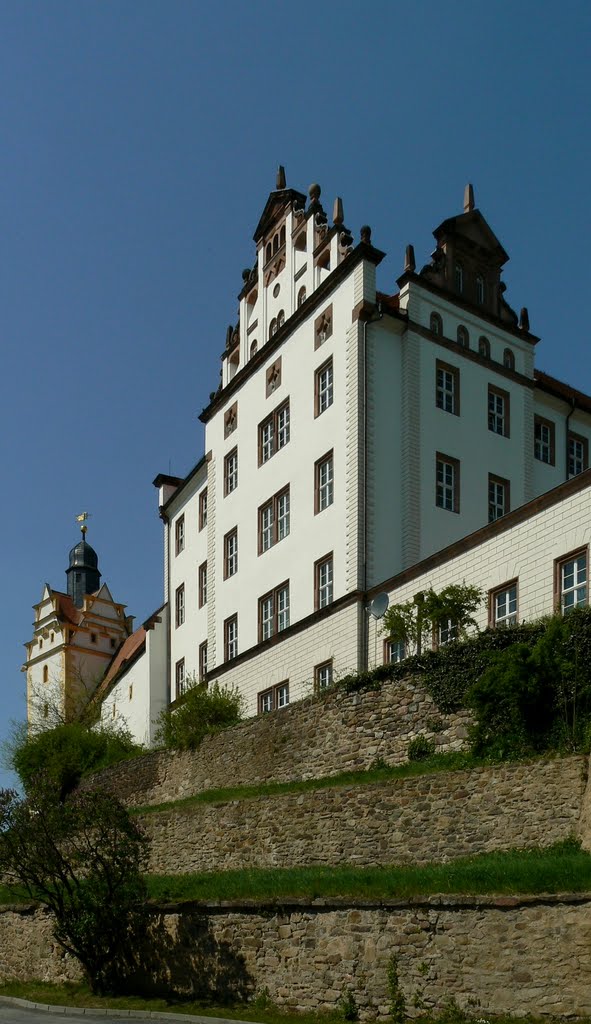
82, 519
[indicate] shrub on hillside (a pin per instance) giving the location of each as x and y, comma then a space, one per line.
203, 711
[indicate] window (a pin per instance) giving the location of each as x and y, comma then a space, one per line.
113, 643
463, 337
179, 535
253, 348
274, 612
436, 323
231, 553
323, 581
447, 488
179, 605
274, 698
544, 440
179, 675
280, 319
93, 638
394, 651
480, 289
273, 327
231, 638
503, 605
508, 359
578, 454
203, 508
274, 520
484, 347
571, 581
231, 420
273, 433
203, 660
45, 674
273, 377
498, 411
231, 471
498, 497
202, 584
322, 676
51, 637
447, 631
323, 327
131, 691
459, 278
301, 296
323, 483
323, 390
447, 388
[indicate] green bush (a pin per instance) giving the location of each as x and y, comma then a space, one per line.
67, 752
420, 749
203, 711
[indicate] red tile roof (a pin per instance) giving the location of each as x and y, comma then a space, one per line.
127, 653
66, 609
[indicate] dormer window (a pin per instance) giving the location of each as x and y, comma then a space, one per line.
301, 296
463, 337
273, 327
459, 278
436, 323
276, 244
484, 347
508, 359
280, 319
253, 348
480, 290
268, 252
233, 363
282, 236
300, 242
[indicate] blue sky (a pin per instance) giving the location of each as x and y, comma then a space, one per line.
140, 140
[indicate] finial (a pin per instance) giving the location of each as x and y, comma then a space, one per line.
82, 519
337, 212
366, 234
524, 319
468, 199
314, 192
409, 260
280, 182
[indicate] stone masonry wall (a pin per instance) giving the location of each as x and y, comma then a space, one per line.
493, 955
312, 738
414, 820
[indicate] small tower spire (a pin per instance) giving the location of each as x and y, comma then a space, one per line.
83, 572
280, 182
468, 199
337, 212
409, 260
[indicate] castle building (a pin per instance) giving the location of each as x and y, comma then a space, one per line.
363, 442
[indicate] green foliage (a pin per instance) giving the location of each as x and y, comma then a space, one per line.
348, 1005
412, 622
397, 1000
420, 749
204, 711
67, 752
81, 858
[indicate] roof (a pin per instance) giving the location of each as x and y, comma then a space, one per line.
66, 609
559, 389
130, 649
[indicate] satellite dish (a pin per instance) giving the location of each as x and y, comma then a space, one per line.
379, 605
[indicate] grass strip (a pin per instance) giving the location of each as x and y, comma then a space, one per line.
563, 867
454, 761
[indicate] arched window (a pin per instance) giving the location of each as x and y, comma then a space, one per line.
508, 359
233, 364
282, 236
280, 319
253, 349
463, 337
45, 674
273, 327
276, 244
480, 289
40, 643
300, 242
459, 278
484, 347
301, 296
268, 252
436, 323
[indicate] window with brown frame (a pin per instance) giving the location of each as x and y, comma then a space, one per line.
274, 698
323, 327
231, 638
484, 347
323, 388
544, 440
323, 676
231, 419
203, 660
436, 324
463, 336
274, 611
231, 472
394, 651
447, 387
273, 377
179, 535
231, 553
447, 482
323, 581
502, 605
323, 482
202, 584
498, 497
273, 432
578, 454
179, 677
179, 605
498, 411
273, 520
203, 508
571, 580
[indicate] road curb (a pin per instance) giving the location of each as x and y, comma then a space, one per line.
97, 1011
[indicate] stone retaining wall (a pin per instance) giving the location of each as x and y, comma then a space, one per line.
312, 738
414, 820
493, 955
